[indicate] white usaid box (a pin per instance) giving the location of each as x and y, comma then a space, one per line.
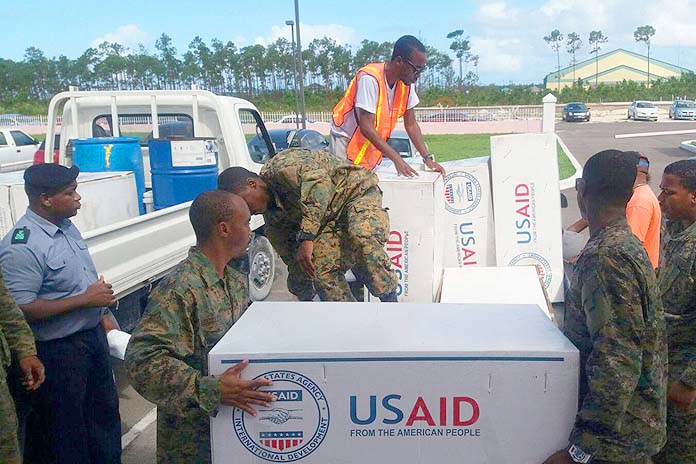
468, 234
414, 244
527, 205
107, 198
361, 383
517, 284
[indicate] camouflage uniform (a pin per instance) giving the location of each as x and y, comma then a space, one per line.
615, 318
15, 336
341, 206
167, 356
677, 278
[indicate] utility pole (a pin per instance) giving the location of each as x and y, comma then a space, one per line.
301, 66
291, 23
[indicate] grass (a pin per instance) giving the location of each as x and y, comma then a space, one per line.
693, 143
462, 146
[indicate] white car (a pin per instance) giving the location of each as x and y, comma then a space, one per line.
402, 144
292, 119
16, 149
642, 110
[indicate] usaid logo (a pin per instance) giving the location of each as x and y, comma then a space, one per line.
462, 192
293, 427
534, 259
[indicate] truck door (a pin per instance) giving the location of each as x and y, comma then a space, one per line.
7, 149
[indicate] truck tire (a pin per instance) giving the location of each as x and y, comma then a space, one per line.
261, 268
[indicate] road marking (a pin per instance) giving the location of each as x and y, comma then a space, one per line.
138, 428
651, 134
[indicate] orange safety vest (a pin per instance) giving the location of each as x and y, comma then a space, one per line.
360, 150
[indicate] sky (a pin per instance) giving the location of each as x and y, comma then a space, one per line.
506, 34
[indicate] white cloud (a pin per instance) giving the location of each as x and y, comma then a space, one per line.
674, 22
129, 35
496, 11
497, 55
344, 35
556, 7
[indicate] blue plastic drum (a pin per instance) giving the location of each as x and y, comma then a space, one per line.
112, 154
181, 169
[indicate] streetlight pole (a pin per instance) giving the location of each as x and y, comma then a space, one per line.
291, 23
301, 66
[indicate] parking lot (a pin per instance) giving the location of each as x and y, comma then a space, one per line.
582, 139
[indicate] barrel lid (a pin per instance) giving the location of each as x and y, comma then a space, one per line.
105, 140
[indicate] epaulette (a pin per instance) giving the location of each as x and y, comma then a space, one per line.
20, 235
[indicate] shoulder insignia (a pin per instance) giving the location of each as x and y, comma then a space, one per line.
20, 235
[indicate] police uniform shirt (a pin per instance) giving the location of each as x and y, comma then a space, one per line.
42, 260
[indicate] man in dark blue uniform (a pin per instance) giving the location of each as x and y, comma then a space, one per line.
51, 276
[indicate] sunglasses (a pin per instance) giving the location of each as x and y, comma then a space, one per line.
416, 69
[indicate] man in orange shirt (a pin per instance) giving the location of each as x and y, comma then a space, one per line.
642, 211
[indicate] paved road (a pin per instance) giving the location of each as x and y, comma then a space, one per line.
582, 139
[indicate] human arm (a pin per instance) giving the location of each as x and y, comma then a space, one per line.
161, 351
414, 133
366, 120
611, 302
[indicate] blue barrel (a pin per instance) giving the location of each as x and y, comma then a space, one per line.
112, 154
182, 168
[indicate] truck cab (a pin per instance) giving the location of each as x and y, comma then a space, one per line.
134, 253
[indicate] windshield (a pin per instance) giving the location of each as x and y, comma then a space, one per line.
645, 105
686, 104
399, 145
577, 107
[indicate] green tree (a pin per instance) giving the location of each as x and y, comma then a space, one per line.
460, 46
644, 34
573, 44
555, 39
597, 38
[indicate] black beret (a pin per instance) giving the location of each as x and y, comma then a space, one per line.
49, 177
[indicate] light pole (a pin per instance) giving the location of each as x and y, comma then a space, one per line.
301, 65
291, 23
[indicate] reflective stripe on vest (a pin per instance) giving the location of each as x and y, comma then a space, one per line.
360, 150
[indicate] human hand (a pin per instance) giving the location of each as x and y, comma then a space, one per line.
435, 166
304, 258
243, 393
559, 457
33, 370
681, 395
99, 294
403, 168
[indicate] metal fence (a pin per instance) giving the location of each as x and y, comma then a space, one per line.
434, 114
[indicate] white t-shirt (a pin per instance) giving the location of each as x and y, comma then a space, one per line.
366, 96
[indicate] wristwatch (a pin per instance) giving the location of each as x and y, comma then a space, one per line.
429, 156
578, 455
303, 236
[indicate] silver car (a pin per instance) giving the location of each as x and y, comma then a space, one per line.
642, 110
682, 109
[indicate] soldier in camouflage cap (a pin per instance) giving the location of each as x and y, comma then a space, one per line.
16, 337
676, 277
614, 316
323, 217
189, 311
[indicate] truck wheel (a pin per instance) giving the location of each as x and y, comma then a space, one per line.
261, 268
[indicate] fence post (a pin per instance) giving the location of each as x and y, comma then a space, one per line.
548, 119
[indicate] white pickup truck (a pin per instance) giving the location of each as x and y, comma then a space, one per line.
16, 149
134, 253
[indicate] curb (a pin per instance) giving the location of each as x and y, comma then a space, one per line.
686, 145
570, 181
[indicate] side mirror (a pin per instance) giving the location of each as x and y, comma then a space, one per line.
564, 201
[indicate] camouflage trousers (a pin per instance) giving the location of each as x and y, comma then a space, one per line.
681, 428
355, 240
9, 445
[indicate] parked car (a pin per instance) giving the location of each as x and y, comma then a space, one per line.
16, 148
576, 111
40, 155
286, 138
682, 109
292, 119
642, 110
403, 145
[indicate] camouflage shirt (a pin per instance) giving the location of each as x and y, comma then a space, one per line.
615, 318
167, 356
15, 334
311, 187
677, 280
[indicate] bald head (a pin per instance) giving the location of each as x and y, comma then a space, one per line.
213, 207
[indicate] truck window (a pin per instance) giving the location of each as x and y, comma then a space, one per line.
3, 140
140, 126
258, 141
22, 139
